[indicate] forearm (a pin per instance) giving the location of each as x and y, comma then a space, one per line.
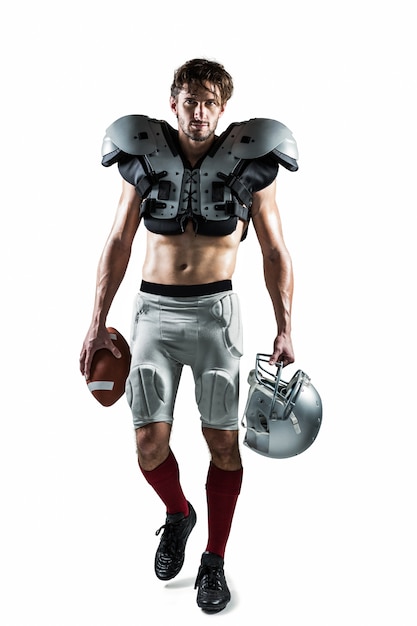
110, 272
279, 281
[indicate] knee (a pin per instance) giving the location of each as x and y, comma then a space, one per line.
152, 443
224, 448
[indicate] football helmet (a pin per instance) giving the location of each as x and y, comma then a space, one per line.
282, 418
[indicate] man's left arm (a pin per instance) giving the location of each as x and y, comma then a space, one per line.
278, 269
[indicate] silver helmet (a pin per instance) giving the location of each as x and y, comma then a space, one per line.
282, 419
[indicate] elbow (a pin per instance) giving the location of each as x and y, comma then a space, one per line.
280, 257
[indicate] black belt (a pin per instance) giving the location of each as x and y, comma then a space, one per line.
182, 291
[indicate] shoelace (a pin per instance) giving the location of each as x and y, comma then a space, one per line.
169, 538
210, 577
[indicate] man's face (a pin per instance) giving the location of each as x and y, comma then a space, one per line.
198, 109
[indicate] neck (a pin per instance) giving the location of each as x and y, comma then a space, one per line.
193, 150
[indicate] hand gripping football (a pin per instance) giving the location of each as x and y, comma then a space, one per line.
108, 374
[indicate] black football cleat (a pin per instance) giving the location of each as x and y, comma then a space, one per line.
213, 593
169, 557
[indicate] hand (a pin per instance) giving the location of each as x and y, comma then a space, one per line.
283, 351
96, 339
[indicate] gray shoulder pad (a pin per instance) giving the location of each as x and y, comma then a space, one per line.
260, 136
133, 134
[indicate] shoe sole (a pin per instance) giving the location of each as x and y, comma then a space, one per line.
216, 610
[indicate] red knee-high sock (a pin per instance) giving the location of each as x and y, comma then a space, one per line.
223, 488
165, 480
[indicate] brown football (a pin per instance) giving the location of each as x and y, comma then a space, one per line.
108, 374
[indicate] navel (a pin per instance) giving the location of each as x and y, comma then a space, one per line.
183, 267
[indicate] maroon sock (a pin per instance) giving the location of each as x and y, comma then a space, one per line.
165, 480
223, 488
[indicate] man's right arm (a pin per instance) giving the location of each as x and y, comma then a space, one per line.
110, 272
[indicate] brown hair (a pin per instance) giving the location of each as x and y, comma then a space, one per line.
203, 71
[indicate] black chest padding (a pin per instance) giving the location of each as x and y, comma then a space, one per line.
216, 193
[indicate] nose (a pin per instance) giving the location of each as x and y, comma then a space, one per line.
199, 111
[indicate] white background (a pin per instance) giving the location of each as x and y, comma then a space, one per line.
327, 537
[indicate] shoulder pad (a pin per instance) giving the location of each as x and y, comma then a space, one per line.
133, 134
260, 136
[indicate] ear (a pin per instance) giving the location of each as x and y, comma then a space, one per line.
222, 109
173, 105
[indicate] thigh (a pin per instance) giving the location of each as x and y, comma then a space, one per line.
216, 367
154, 376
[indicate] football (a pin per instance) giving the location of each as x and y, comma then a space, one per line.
108, 374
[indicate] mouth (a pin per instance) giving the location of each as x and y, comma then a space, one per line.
199, 124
